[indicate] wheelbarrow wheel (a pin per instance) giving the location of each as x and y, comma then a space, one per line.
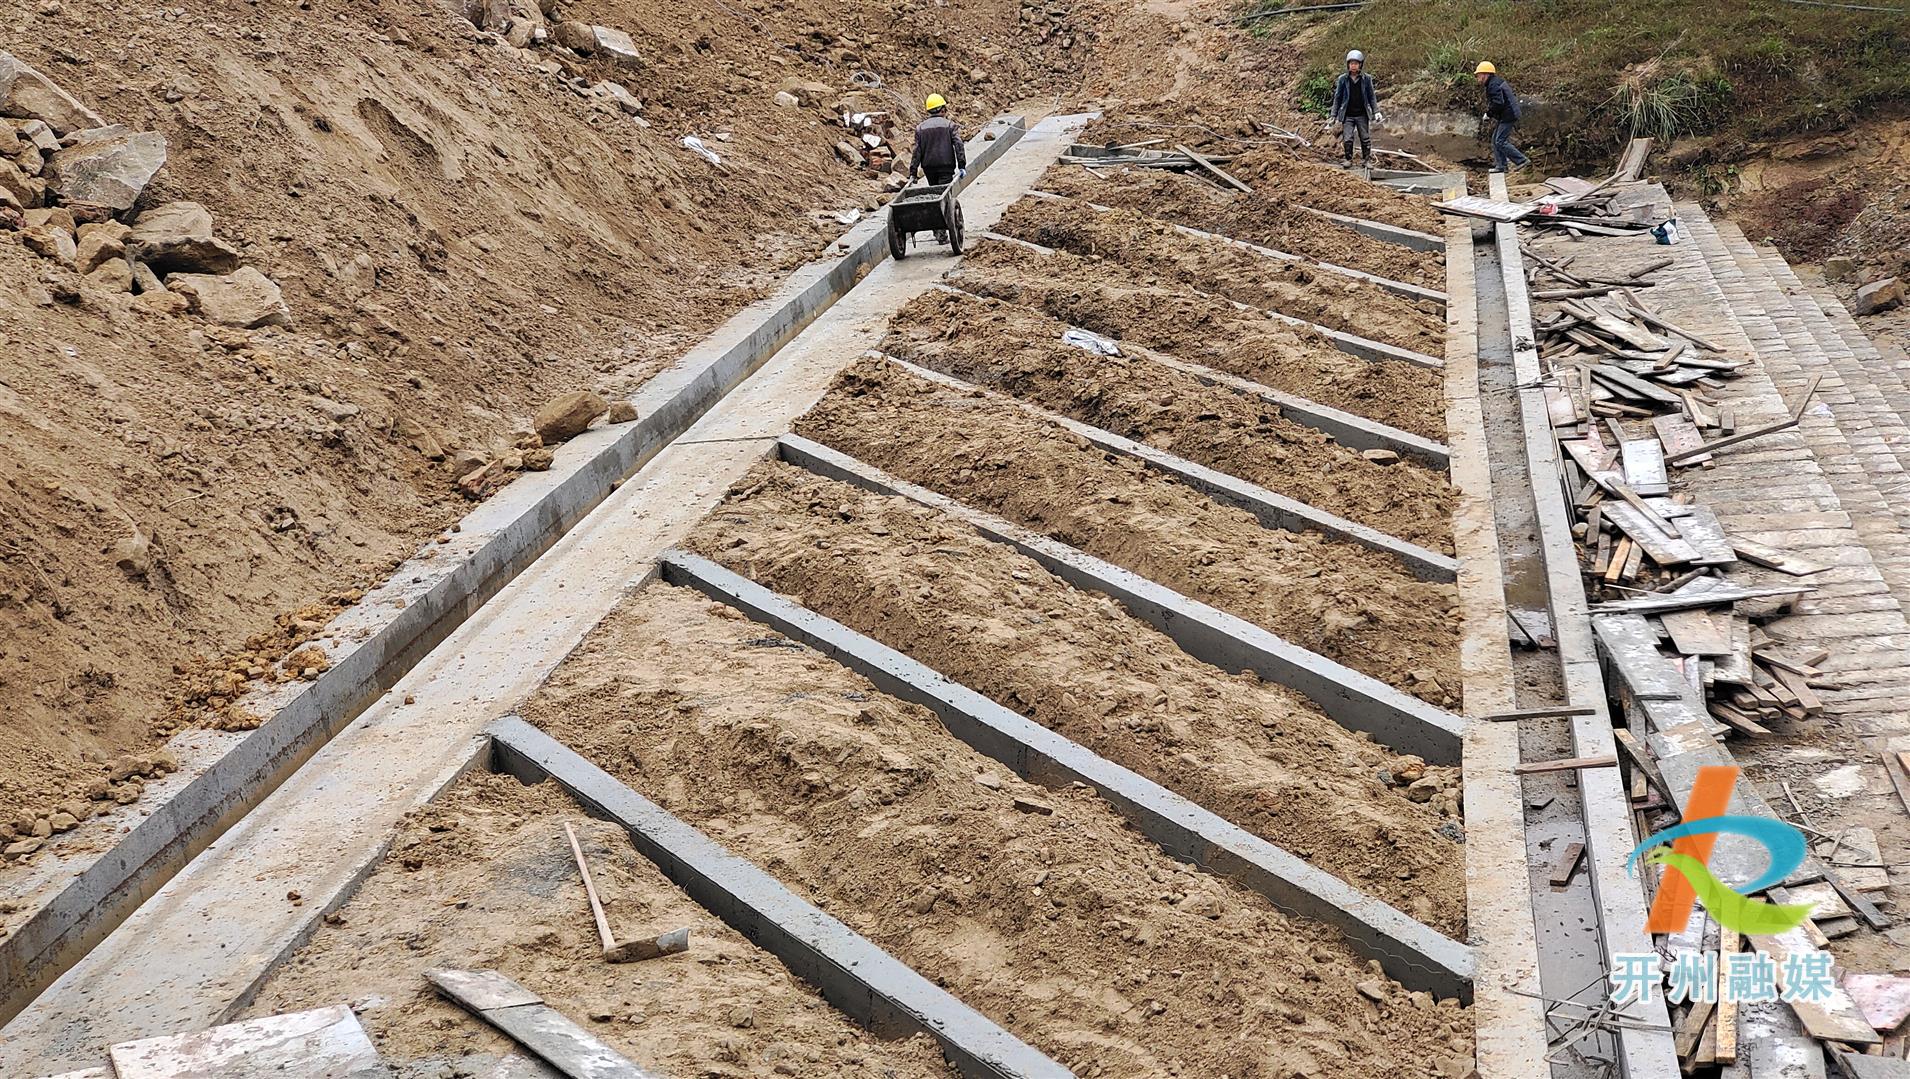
898, 241
955, 231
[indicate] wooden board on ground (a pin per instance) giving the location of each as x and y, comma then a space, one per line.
1644, 463
1694, 633
325, 1043
1567, 864
1664, 549
1772, 558
1567, 764
1215, 169
1835, 1019
539, 1028
1856, 844
1883, 998
1677, 434
1699, 526
1490, 209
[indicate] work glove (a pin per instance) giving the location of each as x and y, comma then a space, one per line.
1486, 116
1378, 116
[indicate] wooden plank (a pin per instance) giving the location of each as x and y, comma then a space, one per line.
1736, 667
1538, 713
1633, 562
319, 1044
1691, 1028
1641, 759
1729, 943
1772, 558
1644, 465
1567, 864
1716, 597
1567, 764
1799, 686
1851, 1065
1731, 440
1836, 1019
1631, 163
1215, 169
1694, 634
565, 1046
1678, 433
1490, 209
1737, 720
1665, 548
1633, 386
1699, 526
1621, 557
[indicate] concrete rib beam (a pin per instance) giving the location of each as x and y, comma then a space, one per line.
1398, 288
1350, 343
1356, 701
1273, 510
1380, 230
1414, 954
868, 983
1345, 427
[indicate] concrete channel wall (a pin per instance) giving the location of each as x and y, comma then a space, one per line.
439, 590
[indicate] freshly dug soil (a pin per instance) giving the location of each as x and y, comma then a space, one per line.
1205, 329
1258, 754
1057, 919
1335, 190
1019, 350
1266, 217
1339, 599
485, 879
1143, 243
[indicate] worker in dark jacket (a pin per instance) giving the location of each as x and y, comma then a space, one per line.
938, 146
1355, 109
1502, 111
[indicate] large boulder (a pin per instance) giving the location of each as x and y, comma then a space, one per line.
177, 238
107, 166
567, 415
26, 93
245, 298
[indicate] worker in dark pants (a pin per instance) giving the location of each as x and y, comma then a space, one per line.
1502, 112
1355, 110
938, 150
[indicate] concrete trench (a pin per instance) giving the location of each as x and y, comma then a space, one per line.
1286, 889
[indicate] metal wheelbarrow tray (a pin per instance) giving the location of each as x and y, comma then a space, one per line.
924, 209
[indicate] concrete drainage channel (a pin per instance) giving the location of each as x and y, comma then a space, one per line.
860, 667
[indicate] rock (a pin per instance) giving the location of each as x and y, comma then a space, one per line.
1422, 789
177, 238
787, 100
145, 280
43, 137
1372, 989
420, 437
989, 780
107, 166
63, 821
617, 92
483, 480
22, 848
98, 243
19, 189
339, 411
1029, 805
24, 92
159, 301
1840, 267
567, 415
617, 45
807, 93
1380, 456
622, 412
1880, 295
52, 243
848, 153
112, 275
245, 297
522, 22
58, 216
134, 555
539, 459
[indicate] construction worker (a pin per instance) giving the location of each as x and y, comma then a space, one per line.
1355, 109
1502, 111
938, 146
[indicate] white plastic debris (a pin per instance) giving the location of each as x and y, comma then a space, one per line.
1093, 342
695, 146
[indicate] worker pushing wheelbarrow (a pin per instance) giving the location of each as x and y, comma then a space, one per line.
941, 156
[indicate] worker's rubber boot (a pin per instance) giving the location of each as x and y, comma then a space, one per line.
1346, 162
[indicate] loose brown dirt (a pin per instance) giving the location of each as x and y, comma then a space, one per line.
1339, 599
1067, 927
1019, 350
1110, 300
1258, 754
485, 879
1266, 217
1213, 265
1335, 190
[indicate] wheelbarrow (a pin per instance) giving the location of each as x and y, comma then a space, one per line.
925, 209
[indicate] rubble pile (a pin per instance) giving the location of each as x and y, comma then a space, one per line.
69, 186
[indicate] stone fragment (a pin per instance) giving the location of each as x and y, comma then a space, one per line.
617, 45
145, 280
567, 415
245, 297
1029, 805
17, 188
539, 459
63, 822
43, 137
57, 216
1380, 456
112, 275
575, 35
22, 848
161, 302
177, 238
1840, 267
107, 166
989, 780
49, 242
24, 92
806, 92
1422, 789
134, 556
617, 92
1373, 989
1880, 295
622, 412
101, 242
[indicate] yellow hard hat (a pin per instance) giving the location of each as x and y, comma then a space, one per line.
935, 102
1485, 68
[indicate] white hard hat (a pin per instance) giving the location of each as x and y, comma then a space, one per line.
1356, 55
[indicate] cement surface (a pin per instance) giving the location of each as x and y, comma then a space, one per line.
183, 961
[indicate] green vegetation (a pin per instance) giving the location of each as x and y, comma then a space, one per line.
1315, 95
1605, 70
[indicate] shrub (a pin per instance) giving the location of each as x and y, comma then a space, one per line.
1315, 94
